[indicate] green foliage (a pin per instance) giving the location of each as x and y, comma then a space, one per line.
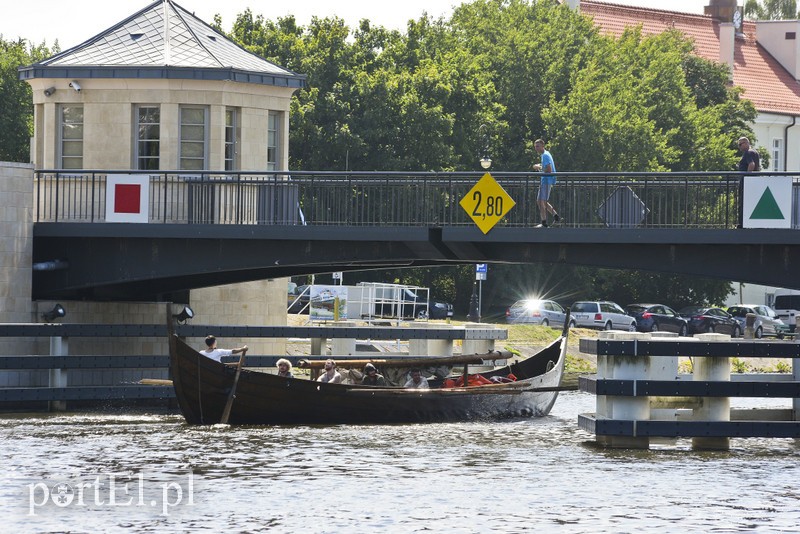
16, 107
771, 9
783, 367
626, 287
385, 100
739, 366
576, 365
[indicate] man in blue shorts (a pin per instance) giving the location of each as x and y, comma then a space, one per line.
546, 185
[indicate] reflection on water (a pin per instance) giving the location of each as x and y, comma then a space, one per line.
528, 474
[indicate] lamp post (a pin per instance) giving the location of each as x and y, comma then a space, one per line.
474, 314
485, 160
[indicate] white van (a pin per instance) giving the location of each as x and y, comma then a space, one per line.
787, 306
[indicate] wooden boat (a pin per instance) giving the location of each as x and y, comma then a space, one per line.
203, 388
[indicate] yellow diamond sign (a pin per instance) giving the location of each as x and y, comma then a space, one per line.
487, 203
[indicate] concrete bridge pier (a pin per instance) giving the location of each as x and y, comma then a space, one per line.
620, 367
59, 346
430, 347
796, 371
477, 346
717, 368
343, 346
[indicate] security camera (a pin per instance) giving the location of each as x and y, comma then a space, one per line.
75, 85
49, 91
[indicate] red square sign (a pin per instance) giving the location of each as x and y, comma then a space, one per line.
127, 198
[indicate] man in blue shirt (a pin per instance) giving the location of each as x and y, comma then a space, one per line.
546, 185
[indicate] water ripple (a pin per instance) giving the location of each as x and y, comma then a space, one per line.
529, 474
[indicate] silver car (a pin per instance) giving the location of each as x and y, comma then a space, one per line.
537, 311
767, 322
602, 314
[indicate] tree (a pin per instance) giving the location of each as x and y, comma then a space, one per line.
16, 107
771, 9
383, 100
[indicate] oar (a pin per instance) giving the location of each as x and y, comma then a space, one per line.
226, 413
155, 382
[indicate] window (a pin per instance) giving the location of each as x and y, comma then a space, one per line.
231, 139
193, 151
71, 133
777, 155
273, 141
148, 137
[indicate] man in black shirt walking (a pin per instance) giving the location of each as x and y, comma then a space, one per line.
750, 161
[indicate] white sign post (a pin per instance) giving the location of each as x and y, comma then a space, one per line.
481, 269
767, 202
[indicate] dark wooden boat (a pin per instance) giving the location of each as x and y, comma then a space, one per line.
203, 386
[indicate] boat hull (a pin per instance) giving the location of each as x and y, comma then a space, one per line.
202, 387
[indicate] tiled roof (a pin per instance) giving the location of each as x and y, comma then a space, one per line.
163, 36
770, 87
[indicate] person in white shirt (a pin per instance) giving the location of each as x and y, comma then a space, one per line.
331, 375
216, 354
416, 380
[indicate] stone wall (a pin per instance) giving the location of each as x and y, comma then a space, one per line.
253, 303
16, 244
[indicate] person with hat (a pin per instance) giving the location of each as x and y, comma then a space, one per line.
211, 350
284, 368
372, 377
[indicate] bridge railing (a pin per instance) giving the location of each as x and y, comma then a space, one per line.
615, 200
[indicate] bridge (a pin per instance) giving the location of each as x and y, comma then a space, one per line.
225, 227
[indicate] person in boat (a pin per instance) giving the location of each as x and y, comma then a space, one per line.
331, 375
284, 368
211, 350
372, 377
416, 380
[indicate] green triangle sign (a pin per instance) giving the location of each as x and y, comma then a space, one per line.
767, 207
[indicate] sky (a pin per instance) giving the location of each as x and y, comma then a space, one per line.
72, 22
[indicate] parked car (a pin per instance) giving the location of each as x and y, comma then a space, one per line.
766, 323
708, 319
439, 310
602, 314
657, 317
537, 311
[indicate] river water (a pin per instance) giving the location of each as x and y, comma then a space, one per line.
117, 472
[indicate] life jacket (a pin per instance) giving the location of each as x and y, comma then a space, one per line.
473, 380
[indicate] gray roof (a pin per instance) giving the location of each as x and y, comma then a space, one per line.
162, 41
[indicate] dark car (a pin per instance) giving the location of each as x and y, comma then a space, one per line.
709, 319
438, 310
657, 317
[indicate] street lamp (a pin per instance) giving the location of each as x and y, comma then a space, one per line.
486, 161
185, 313
57, 312
474, 314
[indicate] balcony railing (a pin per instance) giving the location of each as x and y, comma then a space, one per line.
584, 200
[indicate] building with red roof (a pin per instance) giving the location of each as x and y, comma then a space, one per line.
764, 57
